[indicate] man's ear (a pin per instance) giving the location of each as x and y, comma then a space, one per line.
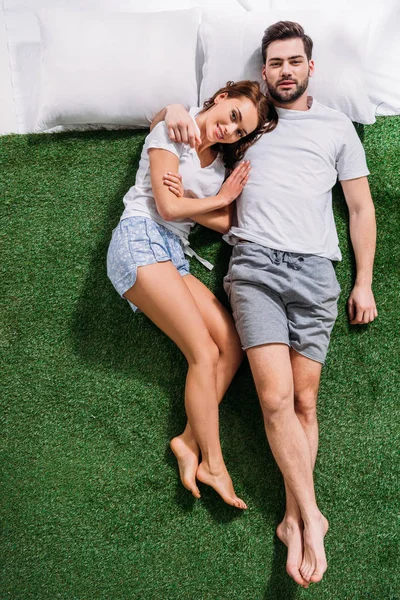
220, 97
263, 73
311, 68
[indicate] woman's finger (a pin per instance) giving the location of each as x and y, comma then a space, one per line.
173, 177
174, 191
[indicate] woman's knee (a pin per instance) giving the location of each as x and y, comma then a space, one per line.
204, 353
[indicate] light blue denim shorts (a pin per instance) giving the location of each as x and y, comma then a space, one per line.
136, 242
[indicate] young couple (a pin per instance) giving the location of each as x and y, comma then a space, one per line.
281, 283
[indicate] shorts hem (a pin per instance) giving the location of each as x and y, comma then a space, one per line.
265, 344
132, 276
319, 360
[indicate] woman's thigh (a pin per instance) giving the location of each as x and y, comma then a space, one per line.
161, 294
219, 322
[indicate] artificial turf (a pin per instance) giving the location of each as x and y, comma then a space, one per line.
91, 504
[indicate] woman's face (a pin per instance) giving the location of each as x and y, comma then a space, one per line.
230, 119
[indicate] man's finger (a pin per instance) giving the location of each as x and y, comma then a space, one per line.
198, 139
171, 134
178, 137
192, 140
358, 320
351, 309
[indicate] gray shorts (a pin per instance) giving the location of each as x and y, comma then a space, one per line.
282, 297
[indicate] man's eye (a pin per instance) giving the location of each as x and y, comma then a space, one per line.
296, 62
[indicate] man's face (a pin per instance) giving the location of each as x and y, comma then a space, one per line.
287, 70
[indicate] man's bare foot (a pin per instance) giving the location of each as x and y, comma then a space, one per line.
187, 455
290, 532
222, 484
314, 562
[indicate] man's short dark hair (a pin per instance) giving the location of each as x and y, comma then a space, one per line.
284, 30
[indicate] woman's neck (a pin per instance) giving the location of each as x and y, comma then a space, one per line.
205, 143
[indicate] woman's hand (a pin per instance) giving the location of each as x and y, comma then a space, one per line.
173, 181
235, 183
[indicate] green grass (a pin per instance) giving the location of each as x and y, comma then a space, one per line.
91, 505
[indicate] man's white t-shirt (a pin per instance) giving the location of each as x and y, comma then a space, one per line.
198, 182
287, 202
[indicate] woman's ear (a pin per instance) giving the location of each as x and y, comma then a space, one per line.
220, 97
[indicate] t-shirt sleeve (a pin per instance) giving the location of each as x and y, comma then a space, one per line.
159, 138
350, 161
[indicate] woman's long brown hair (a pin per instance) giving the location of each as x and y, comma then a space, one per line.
267, 118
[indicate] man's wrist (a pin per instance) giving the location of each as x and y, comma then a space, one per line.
363, 281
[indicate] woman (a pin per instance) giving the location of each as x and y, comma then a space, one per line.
147, 266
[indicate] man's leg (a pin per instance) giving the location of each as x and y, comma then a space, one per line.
272, 372
306, 378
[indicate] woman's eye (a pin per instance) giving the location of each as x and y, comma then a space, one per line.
233, 115
240, 133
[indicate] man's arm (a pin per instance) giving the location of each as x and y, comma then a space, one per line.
361, 304
160, 116
180, 124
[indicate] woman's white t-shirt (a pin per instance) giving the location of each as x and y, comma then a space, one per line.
198, 182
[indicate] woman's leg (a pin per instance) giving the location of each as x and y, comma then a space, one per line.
161, 294
222, 330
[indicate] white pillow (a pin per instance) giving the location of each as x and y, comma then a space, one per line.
383, 60
115, 68
234, 52
23, 37
108, 5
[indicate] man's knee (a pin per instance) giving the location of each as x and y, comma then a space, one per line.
275, 404
305, 406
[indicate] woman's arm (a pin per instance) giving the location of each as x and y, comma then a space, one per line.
171, 207
219, 220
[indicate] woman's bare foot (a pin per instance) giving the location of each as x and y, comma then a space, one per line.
314, 562
187, 455
290, 532
222, 484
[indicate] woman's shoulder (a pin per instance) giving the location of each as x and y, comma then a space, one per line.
159, 138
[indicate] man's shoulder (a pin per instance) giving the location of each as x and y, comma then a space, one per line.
331, 114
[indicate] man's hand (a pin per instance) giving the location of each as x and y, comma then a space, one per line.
361, 305
173, 181
181, 127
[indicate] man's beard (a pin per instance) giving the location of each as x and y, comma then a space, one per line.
288, 96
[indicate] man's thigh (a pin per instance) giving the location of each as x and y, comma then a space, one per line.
272, 374
253, 288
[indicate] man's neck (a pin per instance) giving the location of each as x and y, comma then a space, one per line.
301, 103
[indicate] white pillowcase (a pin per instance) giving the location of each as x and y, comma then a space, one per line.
24, 43
383, 60
233, 52
115, 68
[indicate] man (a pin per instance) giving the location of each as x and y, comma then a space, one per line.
281, 282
